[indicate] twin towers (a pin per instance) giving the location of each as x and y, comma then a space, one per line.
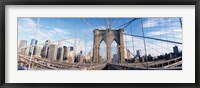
108, 36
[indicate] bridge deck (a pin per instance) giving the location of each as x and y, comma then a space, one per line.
45, 63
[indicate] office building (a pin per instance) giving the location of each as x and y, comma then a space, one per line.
45, 48
32, 45
115, 58
71, 48
81, 47
60, 53
37, 51
138, 53
81, 52
52, 52
66, 52
22, 46
175, 48
27, 51
89, 57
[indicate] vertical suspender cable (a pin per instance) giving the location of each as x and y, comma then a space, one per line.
144, 43
37, 27
132, 39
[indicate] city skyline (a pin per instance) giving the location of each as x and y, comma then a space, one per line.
100, 43
51, 28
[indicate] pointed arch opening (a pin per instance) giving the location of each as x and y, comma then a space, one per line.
102, 52
114, 52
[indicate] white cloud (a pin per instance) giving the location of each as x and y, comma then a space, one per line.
153, 47
27, 22
153, 22
162, 32
27, 27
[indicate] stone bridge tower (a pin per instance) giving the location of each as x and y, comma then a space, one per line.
108, 36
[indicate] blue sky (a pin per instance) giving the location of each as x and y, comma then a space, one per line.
65, 28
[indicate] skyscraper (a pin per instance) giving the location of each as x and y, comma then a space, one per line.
72, 54
138, 53
60, 52
22, 46
115, 58
89, 57
71, 57
81, 52
27, 51
37, 51
66, 52
81, 48
33, 42
45, 48
175, 48
60, 44
71, 48
52, 52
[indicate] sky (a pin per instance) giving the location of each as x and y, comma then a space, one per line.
65, 29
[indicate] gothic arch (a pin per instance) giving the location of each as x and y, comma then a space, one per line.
108, 36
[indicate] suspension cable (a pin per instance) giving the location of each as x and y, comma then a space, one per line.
155, 39
87, 23
128, 23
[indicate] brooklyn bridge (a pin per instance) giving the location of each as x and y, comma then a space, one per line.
154, 44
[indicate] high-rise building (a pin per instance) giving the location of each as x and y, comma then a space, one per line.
138, 53
71, 48
60, 44
81, 52
75, 47
71, 54
81, 47
32, 45
175, 48
22, 46
44, 51
37, 51
52, 52
34, 50
45, 48
66, 53
71, 57
115, 58
60, 52
27, 51
89, 57
80, 59
33, 42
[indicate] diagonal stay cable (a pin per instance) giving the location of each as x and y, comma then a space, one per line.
155, 39
115, 22
130, 22
87, 23
127, 24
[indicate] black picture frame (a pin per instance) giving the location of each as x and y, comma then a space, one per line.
3, 3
